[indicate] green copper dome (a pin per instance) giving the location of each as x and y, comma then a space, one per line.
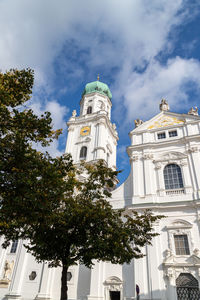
97, 86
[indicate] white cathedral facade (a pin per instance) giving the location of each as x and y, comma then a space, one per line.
164, 156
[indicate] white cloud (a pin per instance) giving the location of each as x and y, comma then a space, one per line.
113, 32
58, 115
78, 37
171, 81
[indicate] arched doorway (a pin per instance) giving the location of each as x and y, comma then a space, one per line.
113, 288
187, 287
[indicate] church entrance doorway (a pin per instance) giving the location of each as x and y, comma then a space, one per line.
114, 295
187, 287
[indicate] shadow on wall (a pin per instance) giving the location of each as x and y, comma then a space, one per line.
84, 279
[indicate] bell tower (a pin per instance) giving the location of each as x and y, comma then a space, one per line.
91, 135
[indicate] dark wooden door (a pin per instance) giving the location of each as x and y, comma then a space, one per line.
114, 295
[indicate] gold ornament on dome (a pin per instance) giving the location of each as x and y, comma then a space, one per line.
85, 131
165, 122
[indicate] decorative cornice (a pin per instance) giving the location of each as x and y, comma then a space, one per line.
161, 143
86, 140
94, 117
134, 158
94, 94
193, 149
99, 148
148, 156
171, 156
158, 165
70, 129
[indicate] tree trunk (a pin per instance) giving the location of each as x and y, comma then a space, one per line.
64, 288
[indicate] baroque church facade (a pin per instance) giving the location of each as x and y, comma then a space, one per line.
164, 155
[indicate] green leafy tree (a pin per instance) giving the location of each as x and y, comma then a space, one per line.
22, 168
82, 226
63, 210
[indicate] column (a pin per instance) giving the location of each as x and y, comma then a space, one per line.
96, 286
134, 160
101, 144
155, 251
196, 163
18, 273
171, 287
69, 144
45, 283
149, 175
96, 141
186, 176
160, 179
128, 271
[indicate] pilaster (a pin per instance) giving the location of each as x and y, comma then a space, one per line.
160, 179
186, 176
196, 162
44, 292
134, 160
18, 273
149, 175
100, 149
96, 286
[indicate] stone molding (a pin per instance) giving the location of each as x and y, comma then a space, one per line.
171, 156
91, 118
99, 148
134, 158
148, 156
179, 227
113, 284
193, 149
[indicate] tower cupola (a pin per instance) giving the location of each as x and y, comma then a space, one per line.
96, 98
97, 87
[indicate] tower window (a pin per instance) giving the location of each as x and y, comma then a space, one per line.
89, 110
14, 246
181, 244
173, 177
83, 152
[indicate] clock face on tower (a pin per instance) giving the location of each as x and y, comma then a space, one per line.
85, 130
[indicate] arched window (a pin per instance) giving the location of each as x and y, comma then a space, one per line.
83, 152
173, 177
89, 110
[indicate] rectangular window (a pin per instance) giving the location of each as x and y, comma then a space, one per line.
14, 246
161, 135
173, 133
181, 244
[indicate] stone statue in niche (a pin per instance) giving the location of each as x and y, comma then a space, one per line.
193, 111
164, 106
138, 122
33, 275
8, 269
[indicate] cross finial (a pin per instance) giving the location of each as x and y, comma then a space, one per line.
98, 77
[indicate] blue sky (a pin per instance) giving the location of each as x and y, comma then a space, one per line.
144, 50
